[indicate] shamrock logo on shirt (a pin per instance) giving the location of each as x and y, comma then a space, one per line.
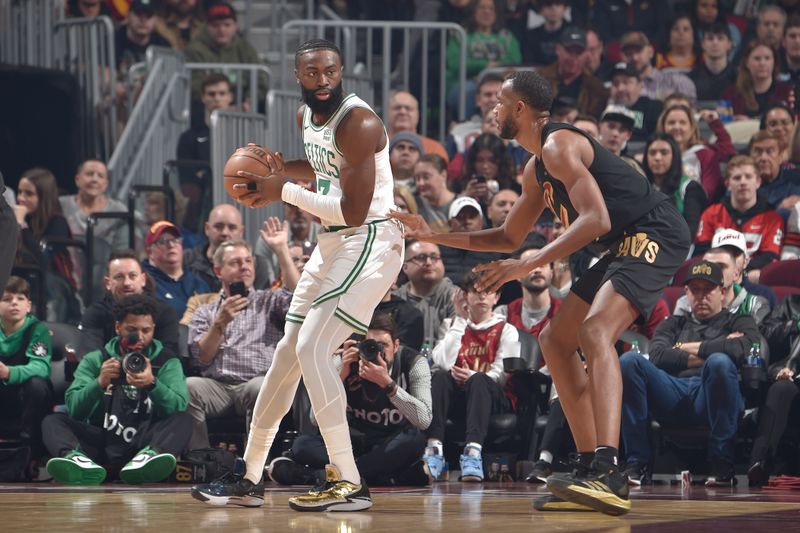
39, 349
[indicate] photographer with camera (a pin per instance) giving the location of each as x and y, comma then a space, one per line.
388, 389
232, 340
782, 331
129, 395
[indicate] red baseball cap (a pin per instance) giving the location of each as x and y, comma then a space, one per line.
157, 229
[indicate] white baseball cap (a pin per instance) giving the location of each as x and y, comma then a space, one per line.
460, 203
730, 237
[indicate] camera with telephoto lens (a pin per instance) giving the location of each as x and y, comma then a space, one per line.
133, 361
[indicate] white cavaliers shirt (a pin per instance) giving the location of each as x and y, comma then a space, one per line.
327, 160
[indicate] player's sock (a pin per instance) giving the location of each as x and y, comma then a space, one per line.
607, 455
437, 445
255, 456
340, 452
546, 456
473, 449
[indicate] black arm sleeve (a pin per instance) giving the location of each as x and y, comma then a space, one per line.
736, 348
662, 353
694, 202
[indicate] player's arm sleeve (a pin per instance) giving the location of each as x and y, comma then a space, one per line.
39, 351
170, 394
694, 202
415, 403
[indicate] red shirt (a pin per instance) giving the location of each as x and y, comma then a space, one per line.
479, 350
762, 227
514, 316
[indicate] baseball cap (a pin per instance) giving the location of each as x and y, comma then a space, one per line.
634, 39
144, 7
624, 68
730, 237
707, 271
220, 11
573, 36
157, 229
620, 114
407, 136
460, 203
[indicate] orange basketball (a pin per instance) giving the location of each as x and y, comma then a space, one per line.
251, 158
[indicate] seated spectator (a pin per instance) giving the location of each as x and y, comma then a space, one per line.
224, 224
663, 167
790, 51
427, 288
616, 127
770, 22
490, 126
746, 212
791, 242
656, 84
469, 381
679, 53
564, 109
233, 341
87, 8
780, 185
488, 45
221, 42
462, 134
404, 116
570, 77
303, 231
614, 18
388, 409
701, 161
778, 120
500, 206
164, 263
781, 407
716, 71
466, 215
735, 242
709, 16
113, 410
433, 197
597, 62
124, 277
539, 44
405, 149
137, 33
488, 168
711, 341
92, 182
180, 21
408, 320
404, 200
25, 352
39, 217
589, 125
757, 83
736, 298
626, 90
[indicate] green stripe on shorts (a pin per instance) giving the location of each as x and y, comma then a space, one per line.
355, 325
354, 273
352, 318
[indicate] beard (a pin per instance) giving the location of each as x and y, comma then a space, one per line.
508, 129
535, 285
323, 107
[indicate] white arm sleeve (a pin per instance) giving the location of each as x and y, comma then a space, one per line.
326, 208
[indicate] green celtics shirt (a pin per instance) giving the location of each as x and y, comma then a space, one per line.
26, 352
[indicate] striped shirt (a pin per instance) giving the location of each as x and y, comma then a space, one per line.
249, 342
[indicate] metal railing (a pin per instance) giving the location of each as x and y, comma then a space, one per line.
84, 47
248, 80
26, 31
230, 130
370, 43
157, 120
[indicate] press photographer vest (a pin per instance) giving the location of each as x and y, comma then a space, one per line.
371, 414
126, 408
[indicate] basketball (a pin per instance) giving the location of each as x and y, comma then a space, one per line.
251, 158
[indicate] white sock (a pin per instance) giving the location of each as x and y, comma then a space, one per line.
340, 452
544, 455
436, 444
473, 449
255, 455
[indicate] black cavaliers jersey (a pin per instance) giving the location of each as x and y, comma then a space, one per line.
627, 194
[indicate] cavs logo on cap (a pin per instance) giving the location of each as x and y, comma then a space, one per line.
701, 269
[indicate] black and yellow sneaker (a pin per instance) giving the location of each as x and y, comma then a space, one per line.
335, 494
603, 489
231, 489
554, 503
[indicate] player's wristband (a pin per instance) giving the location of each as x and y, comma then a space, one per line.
326, 208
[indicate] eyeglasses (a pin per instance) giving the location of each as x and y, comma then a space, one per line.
421, 259
166, 243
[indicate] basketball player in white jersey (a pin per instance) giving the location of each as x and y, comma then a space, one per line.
355, 262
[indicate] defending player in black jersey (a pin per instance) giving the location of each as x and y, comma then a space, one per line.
605, 204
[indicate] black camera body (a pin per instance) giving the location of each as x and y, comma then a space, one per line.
134, 362
370, 350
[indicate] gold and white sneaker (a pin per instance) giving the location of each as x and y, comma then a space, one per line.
335, 495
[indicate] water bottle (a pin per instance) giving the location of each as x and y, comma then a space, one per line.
427, 353
755, 358
635, 347
725, 110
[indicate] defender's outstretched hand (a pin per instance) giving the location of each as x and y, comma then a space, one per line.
499, 272
416, 227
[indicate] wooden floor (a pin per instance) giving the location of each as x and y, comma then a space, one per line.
450, 506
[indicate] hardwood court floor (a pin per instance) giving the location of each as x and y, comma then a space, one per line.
448, 507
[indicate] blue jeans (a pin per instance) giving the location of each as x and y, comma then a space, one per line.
712, 400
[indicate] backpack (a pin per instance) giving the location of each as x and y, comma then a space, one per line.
14, 464
208, 464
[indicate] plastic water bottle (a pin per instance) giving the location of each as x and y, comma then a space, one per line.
427, 353
755, 358
635, 347
725, 110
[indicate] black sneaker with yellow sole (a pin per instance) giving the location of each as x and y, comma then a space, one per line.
603, 489
554, 503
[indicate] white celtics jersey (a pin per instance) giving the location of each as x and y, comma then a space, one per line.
327, 160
